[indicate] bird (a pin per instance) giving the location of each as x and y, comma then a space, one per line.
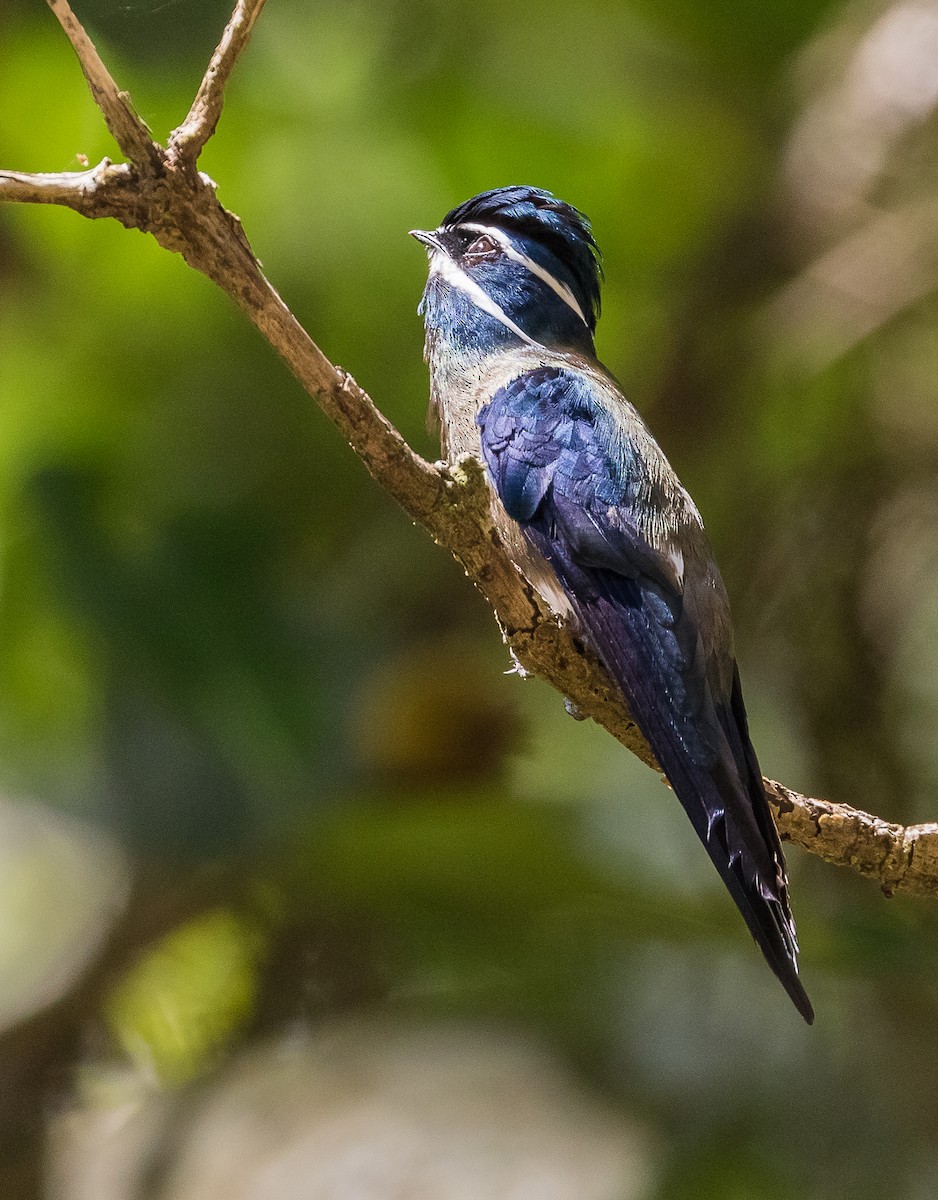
596, 520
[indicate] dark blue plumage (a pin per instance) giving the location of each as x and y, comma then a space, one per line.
550, 450
555, 233
593, 515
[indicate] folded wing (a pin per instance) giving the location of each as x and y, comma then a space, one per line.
649, 602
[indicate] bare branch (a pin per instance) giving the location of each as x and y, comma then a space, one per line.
127, 129
199, 125
180, 210
89, 192
901, 858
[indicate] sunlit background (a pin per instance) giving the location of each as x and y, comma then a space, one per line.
301, 895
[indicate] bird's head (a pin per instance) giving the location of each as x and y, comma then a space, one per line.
511, 266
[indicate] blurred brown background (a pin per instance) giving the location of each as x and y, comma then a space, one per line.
300, 894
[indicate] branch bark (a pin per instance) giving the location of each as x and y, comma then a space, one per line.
126, 128
199, 125
160, 191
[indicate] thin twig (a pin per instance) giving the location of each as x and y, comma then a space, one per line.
182, 212
128, 130
187, 141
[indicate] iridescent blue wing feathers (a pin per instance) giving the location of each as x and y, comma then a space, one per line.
565, 474
539, 425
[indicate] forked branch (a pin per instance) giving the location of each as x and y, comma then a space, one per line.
160, 191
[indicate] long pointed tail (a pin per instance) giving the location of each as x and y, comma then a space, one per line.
716, 777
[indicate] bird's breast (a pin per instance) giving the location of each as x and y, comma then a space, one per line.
461, 385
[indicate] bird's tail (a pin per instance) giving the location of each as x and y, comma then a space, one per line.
716, 777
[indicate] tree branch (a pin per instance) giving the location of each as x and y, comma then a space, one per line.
901, 858
189, 139
127, 129
160, 192
107, 190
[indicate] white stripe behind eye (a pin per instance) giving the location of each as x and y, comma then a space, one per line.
542, 273
441, 264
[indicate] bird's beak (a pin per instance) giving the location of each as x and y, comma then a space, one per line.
429, 239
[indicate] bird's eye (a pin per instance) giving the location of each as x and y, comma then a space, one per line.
482, 247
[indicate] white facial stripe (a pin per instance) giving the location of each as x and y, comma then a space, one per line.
544, 275
441, 264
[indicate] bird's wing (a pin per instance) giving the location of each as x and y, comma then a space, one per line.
566, 473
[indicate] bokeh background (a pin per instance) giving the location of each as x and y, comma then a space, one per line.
301, 895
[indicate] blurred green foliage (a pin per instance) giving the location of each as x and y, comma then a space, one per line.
175, 1009
224, 646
